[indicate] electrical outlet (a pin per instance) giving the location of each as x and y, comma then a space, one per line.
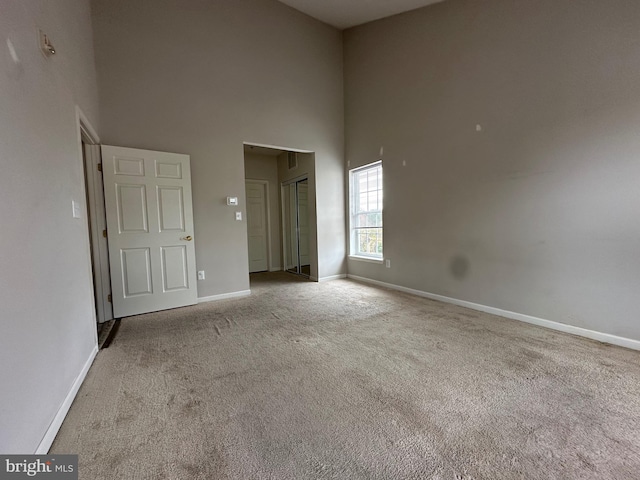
200, 274
387, 263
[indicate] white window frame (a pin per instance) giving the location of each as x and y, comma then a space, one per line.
353, 191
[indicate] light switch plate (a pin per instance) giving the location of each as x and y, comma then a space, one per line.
238, 215
76, 209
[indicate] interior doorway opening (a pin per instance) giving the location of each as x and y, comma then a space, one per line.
94, 269
281, 210
95, 217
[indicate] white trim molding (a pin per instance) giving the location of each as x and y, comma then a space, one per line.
332, 277
541, 322
223, 296
54, 427
276, 147
357, 258
86, 127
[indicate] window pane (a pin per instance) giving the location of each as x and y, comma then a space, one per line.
362, 204
372, 199
362, 183
366, 210
371, 219
369, 241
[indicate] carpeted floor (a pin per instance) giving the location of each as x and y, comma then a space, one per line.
348, 381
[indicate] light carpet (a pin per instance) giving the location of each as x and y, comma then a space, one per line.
349, 381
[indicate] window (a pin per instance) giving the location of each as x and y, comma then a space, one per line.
366, 211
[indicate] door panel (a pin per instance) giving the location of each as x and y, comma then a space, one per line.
295, 198
171, 209
97, 218
132, 208
303, 222
149, 229
293, 227
257, 230
174, 268
136, 271
129, 166
168, 169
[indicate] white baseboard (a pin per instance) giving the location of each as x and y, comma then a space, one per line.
275, 269
332, 277
52, 431
562, 327
223, 296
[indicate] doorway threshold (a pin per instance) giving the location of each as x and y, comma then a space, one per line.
106, 332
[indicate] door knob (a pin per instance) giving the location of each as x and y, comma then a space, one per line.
188, 238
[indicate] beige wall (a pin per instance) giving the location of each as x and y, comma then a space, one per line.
538, 212
46, 302
201, 77
265, 167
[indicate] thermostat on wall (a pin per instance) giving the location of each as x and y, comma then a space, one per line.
232, 200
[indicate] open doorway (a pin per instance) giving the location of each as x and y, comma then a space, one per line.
281, 210
96, 225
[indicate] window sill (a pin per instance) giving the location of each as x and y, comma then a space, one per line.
366, 259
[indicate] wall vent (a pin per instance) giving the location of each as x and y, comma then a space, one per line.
292, 158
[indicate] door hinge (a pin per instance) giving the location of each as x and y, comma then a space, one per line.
109, 298
104, 233
99, 167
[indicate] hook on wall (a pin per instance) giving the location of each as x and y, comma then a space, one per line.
45, 44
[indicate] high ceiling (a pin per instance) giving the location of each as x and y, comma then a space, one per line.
348, 13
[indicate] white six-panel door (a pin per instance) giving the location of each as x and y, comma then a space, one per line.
149, 230
257, 230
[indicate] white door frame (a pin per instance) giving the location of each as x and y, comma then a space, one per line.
97, 215
283, 185
268, 207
